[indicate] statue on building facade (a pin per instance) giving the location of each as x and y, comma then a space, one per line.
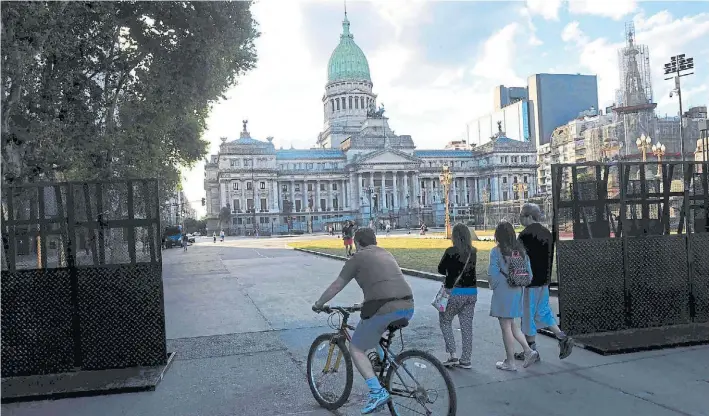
372, 112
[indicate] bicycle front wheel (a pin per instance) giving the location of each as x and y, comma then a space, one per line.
420, 385
330, 371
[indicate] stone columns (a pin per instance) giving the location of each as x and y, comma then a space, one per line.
222, 194
292, 193
455, 191
406, 190
316, 203
304, 190
396, 191
331, 195
465, 190
415, 189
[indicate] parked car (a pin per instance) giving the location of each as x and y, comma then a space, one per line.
190, 238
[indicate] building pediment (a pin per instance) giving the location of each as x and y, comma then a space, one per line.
387, 156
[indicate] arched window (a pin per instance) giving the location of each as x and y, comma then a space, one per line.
356, 103
338, 103
362, 99
333, 104
350, 102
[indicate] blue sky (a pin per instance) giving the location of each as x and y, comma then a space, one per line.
434, 64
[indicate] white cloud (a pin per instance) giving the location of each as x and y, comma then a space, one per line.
573, 33
614, 9
497, 61
401, 13
548, 9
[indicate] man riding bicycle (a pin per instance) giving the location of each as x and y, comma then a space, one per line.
387, 298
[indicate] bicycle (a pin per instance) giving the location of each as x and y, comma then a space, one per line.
386, 368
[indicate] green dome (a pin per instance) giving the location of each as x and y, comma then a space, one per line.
347, 62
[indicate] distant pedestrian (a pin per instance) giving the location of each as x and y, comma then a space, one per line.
185, 240
506, 304
458, 266
221, 236
387, 227
537, 241
347, 235
214, 236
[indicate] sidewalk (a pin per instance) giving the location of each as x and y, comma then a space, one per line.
238, 316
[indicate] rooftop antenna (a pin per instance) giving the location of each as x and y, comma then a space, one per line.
345, 8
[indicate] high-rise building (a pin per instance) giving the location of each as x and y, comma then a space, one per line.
554, 99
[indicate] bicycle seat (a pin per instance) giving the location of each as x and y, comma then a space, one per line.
398, 324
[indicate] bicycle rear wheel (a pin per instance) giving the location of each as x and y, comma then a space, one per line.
328, 359
411, 391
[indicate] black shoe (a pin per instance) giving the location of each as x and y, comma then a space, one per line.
566, 345
450, 362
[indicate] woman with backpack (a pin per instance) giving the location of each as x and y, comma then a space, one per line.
509, 271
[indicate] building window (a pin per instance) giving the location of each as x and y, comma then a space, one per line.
526, 194
504, 196
310, 165
514, 159
236, 205
350, 102
235, 185
504, 179
322, 186
249, 186
362, 99
235, 163
524, 179
310, 187
423, 185
297, 187
323, 204
263, 204
338, 103
357, 103
514, 179
515, 195
334, 186
249, 204
298, 205
332, 102
262, 185
334, 204
363, 183
284, 188
248, 163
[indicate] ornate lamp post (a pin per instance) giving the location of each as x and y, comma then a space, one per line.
369, 191
658, 150
644, 143
446, 178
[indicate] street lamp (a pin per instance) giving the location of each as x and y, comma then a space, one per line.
676, 66
369, 191
644, 143
658, 150
446, 178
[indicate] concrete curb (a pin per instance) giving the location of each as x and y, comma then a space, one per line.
553, 291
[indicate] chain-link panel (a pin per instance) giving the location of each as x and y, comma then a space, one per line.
700, 277
657, 278
37, 315
122, 316
591, 297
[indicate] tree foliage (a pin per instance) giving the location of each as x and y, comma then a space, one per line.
115, 89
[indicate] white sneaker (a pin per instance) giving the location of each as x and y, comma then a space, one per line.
530, 358
505, 366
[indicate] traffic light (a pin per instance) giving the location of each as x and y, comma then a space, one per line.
204, 201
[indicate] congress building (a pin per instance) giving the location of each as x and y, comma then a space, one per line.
360, 169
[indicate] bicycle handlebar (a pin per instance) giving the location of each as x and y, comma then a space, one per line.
342, 309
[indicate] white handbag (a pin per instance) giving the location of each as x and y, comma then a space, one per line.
440, 302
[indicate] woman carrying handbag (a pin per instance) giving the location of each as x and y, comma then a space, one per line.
458, 295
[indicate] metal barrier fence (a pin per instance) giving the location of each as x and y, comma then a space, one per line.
81, 277
631, 244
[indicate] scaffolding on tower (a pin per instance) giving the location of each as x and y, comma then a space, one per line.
635, 108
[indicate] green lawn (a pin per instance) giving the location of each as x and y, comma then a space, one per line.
411, 253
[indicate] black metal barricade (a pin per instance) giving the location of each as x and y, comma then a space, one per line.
632, 244
81, 277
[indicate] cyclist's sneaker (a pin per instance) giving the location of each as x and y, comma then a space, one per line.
450, 362
465, 365
519, 356
566, 344
376, 400
530, 358
505, 366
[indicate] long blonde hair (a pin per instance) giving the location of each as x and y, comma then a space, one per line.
462, 241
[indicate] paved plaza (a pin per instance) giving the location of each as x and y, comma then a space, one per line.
238, 315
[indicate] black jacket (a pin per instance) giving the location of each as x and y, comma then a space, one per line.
537, 240
452, 263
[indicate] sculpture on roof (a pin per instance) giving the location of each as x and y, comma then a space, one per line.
372, 112
499, 126
245, 122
